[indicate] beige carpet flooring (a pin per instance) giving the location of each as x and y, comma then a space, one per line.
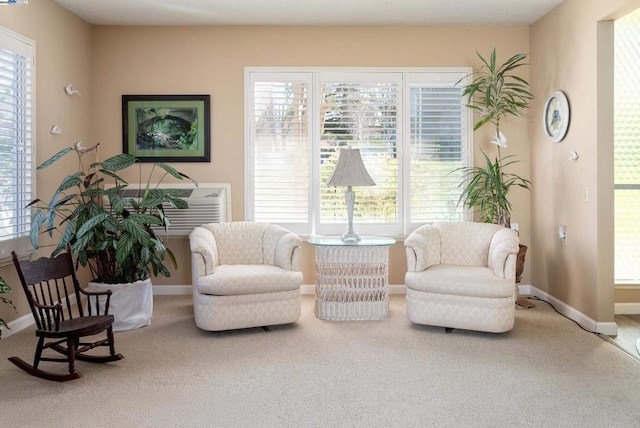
545, 372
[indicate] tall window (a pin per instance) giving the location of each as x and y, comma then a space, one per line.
17, 81
627, 149
411, 128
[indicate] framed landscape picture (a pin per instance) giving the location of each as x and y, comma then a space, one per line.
166, 128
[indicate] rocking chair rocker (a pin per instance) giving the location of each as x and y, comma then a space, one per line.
47, 283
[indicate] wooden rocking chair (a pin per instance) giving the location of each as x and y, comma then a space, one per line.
48, 284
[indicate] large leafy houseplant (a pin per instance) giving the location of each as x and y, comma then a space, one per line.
5, 289
496, 93
118, 240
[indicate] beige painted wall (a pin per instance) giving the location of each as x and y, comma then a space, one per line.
211, 60
565, 53
571, 52
106, 62
63, 55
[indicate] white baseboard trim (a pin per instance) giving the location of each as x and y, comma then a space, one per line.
398, 289
627, 308
308, 289
171, 290
17, 325
606, 328
26, 320
174, 290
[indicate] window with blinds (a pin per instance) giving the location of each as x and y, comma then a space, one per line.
410, 127
280, 152
16, 141
361, 115
627, 149
437, 153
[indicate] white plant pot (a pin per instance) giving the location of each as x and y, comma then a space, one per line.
131, 304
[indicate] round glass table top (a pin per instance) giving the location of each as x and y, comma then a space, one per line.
336, 241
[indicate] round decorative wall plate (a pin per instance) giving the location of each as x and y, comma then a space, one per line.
556, 116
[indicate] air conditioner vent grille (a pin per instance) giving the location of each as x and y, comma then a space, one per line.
207, 204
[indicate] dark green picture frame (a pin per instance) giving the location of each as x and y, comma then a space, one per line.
167, 128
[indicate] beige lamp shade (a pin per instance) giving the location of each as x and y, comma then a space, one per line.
350, 170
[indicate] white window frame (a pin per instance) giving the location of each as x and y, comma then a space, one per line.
436, 77
27, 48
313, 76
249, 190
353, 76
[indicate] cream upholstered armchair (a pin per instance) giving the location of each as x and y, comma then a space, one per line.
244, 274
462, 275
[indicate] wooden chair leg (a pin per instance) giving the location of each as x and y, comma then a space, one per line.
71, 354
38, 354
112, 348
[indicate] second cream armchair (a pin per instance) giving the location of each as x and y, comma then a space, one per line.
462, 275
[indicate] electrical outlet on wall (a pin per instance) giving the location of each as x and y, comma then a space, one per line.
562, 234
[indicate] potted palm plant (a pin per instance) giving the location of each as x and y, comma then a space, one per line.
497, 94
116, 241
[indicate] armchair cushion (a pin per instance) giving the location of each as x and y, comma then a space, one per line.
469, 281
232, 280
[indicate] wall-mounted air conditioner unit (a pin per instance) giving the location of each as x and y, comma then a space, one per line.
208, 203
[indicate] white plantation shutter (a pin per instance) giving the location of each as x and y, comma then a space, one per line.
281, 145
411, 128
361, 110
437, 151
17, 126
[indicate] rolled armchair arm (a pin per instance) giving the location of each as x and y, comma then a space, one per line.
204, 249
503, 251
423, 248
412, 259
288, 252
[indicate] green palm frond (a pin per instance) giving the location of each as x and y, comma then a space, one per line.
497, 93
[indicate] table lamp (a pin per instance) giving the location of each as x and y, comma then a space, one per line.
350, 171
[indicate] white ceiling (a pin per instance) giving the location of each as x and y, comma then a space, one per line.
310, 12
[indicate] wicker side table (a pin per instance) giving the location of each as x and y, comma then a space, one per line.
352, 278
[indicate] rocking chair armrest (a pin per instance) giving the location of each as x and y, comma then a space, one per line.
97, 303
95, 293
56, 307
43, 309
